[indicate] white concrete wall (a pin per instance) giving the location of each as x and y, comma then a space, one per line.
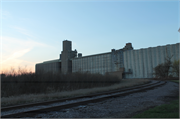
93, 64
142, 61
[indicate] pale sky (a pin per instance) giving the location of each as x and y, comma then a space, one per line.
32, 31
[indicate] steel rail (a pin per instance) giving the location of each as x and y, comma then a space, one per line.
121, 93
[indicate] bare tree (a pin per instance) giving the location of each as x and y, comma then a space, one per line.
163, 70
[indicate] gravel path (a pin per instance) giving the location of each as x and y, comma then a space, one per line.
120, 107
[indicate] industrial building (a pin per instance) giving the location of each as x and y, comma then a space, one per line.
125, 62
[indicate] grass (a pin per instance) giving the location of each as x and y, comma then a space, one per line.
38, 83
30, 98
23, 87
173, 79
177, 81
163, 111
166, 78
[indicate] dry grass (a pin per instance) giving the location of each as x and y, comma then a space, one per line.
39, 83
167, 78
30, 98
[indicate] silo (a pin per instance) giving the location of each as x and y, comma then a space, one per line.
65, 57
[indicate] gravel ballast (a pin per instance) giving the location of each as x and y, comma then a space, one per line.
120, 107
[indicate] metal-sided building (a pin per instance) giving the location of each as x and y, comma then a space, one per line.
125, 62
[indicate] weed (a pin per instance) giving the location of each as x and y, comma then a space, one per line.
23, 82
30, 98
163, 111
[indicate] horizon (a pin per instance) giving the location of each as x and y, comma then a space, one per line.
30, 36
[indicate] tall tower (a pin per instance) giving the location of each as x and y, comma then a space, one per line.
65, 57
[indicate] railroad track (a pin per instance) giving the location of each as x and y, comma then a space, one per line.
30, 110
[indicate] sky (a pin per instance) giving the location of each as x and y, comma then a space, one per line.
32, 31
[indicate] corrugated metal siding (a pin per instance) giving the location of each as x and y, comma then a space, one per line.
48, 67
149, 62
93, 64
142, 61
